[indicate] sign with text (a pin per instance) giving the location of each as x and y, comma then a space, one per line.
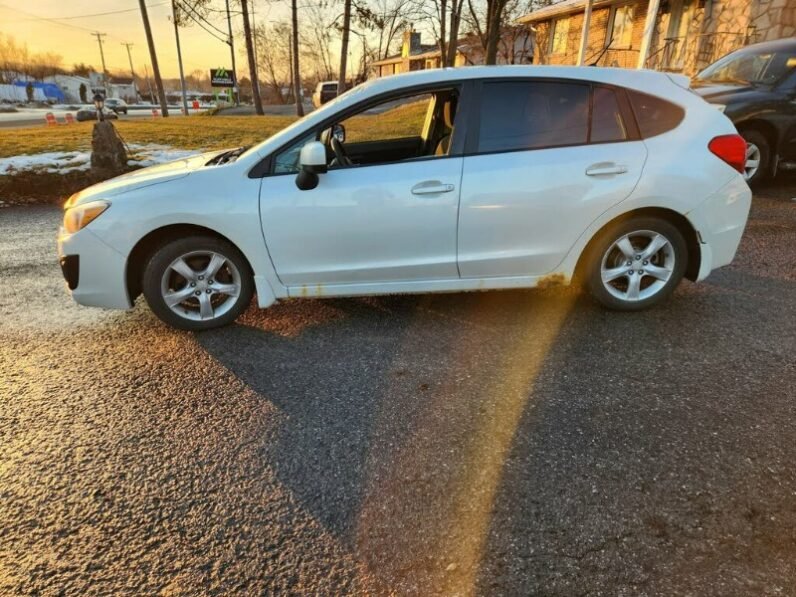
221, 77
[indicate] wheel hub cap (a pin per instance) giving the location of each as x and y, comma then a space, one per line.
637, 265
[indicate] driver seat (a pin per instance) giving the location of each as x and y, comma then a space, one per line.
448, 115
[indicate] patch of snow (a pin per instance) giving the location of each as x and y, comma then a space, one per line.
152, 154
69, 161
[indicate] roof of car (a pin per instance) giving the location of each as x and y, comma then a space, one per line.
618, 76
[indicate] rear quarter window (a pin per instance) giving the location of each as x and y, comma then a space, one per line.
654, 115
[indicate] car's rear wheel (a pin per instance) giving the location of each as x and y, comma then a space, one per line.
758, 156
197, 283
636, 263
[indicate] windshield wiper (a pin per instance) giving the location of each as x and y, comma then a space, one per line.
227, 156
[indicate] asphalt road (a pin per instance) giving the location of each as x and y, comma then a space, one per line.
504, 443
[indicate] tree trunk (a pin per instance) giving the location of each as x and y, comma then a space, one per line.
296, 73
344, 47
456, 18
247, 34
164, 108
443, 8
493, 30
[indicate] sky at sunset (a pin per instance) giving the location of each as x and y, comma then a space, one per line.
61, 26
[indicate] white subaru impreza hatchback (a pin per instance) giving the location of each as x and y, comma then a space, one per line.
434, 181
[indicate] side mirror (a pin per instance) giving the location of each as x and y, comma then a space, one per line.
338, 132
312, 161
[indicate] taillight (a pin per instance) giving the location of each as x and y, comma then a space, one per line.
731, 149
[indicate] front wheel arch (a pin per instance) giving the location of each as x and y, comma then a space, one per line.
151, 242
694, 252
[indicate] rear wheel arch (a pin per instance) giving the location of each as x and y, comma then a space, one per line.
151, 242
694, 253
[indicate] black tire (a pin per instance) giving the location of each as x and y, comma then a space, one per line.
162, 258
598, 249
755, 137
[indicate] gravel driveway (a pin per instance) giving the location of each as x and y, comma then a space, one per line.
496, 443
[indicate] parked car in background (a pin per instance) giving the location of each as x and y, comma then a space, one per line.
89, 112
119, 106
432, 181
324, 92
755, 87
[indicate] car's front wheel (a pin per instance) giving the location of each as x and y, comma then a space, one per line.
636, 264
197, 283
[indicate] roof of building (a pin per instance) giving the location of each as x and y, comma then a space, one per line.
561, 9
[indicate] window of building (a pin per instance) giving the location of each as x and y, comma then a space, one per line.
621, 32
559, 36
519, 115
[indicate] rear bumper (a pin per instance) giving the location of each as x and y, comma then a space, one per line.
720, 221
94, 272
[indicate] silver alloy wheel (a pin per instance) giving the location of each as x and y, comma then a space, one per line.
637, 265
200, 285
752, 161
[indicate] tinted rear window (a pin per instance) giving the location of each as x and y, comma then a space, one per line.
607, 123
330, 87
653, 114
533, 114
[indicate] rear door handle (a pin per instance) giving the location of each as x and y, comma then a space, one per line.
605, 169
431, 187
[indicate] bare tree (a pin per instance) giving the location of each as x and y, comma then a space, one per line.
344, 46
275, 57
295, 49
385, 18
247, 34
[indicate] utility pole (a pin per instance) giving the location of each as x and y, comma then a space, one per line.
179, 57
164, 107
247, 34
132, 70
99, 37
232, 52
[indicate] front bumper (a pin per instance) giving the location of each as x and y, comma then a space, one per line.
720, 221
94, 272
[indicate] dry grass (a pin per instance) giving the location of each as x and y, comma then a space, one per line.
204, 132
193, 132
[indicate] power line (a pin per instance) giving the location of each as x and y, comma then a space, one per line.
87, 16
195, 12
198, 22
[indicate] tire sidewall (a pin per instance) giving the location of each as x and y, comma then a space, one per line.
606, 239
164, 256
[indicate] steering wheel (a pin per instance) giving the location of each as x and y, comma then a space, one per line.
339, 153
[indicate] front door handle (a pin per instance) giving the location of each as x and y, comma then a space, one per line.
431, 187
605, 169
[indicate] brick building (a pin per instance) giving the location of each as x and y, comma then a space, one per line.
685, 35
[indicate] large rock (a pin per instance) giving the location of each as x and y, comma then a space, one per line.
108, 154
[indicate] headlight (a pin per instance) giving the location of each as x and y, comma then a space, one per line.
77, 218
719, 107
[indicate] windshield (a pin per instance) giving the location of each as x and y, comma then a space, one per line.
746, 66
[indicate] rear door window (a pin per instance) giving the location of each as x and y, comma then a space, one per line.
654, 115
518, 115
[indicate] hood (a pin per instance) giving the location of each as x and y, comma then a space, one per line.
138, 179
723, 92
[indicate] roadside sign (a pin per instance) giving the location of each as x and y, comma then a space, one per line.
221, 77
